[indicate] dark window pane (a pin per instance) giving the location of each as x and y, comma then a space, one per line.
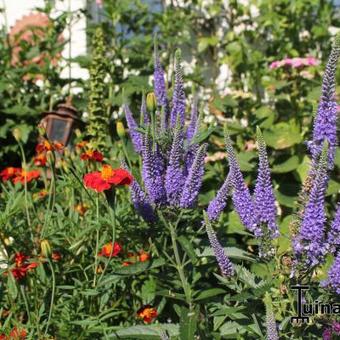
58, 130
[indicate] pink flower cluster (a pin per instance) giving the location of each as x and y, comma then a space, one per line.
294, 62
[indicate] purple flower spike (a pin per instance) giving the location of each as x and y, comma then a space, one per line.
178, 97
271, 327
324, 128
141, 202
194, 180
136, 138
310, 242
144, 112
333, 280
217, 205
152, 172
193, 126
174, 177
159, 82
241, 197
223, 261
334, 233
264, 196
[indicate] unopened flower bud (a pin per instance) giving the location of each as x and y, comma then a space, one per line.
120, 129
17, 134
151, 102
45, 248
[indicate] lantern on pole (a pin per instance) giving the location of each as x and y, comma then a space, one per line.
60, 124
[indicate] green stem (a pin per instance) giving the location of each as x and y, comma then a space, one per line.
25, 185
179, 264
113, 219
22, 290
52, 296
97, 242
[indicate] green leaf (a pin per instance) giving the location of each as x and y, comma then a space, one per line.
12, 286
283, 135
208, 293
289, 165
303, 168
148, 332
148, 291
231, 252
202, 135
187, 247
188, 324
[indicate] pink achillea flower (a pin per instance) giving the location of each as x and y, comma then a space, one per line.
294, 62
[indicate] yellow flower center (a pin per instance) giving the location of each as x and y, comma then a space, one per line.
107, 172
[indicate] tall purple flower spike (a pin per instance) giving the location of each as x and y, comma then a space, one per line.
309, 244
193, 126
174, 177
241, 197
264, 198
217, 205
159, 82
193, 182
223, 261
333, 280
136, 137
333, 238
153, 172
271, 327
324, 128
144, 111
141, 202
178, 97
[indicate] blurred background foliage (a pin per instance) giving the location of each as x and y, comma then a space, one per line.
227, 48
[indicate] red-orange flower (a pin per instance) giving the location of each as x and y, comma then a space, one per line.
9, 173
92, 155
40, 195
40, 159
143, 256
26, 176
81, 209
81, 144
14, 335
45, 146
110, 250
56, 256
22, 266
147, 313
127, 263
106, 178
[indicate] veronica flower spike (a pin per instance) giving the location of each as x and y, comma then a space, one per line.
264, 199
223, 261
241, 197
309, 245
324, 128
178, 97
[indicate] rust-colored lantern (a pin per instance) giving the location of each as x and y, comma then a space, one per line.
59, 124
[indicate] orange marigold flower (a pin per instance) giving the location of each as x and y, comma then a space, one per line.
26, 176
17, 334
147, 313
143, 256
9, 173
110, 250
40, 159
45, 146
81, 144
106, 178
92, 155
